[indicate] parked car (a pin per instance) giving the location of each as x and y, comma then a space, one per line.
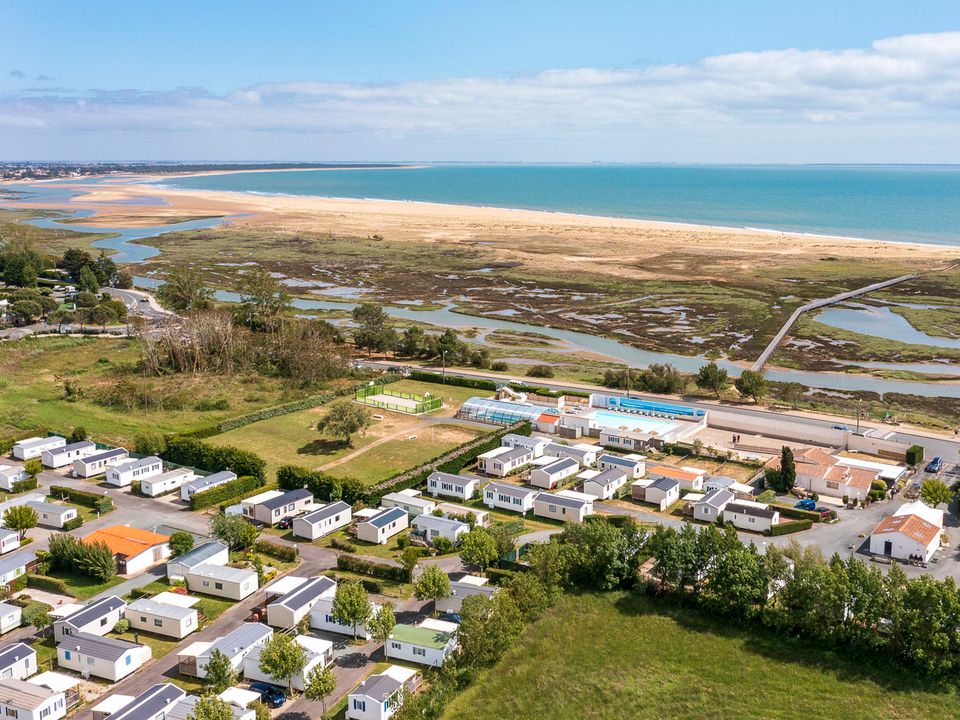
807, 504
285, 523
935, 465
839, 427
825, 512
270, 695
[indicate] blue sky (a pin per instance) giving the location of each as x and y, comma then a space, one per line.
575, 81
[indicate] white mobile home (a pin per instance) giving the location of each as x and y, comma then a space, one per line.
101, 657
154, 703
605, 484
748, 515
126, 473
741, 490
319, 654
96, 618
429, 643
509, 497
209, 553
236, 645
431, 527
9, 540
207, 482
321, 618
160, 618
22, 700
688, 478
566, 505
383, 526
583, 453
503, 461
410, 500
380, 696
464, 587
14, 565
710, 507
319, 523
458, 486
34, 447
272, 506
465, 514
10, 474
52, 515
64, 455
97, 463
551, 475
18, 661
10, 616
166, 482
222, 581
662, 493
288, 610
633, 465
527, 442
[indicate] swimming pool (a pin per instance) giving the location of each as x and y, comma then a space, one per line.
637, 423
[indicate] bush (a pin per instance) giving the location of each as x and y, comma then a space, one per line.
475, 383
344, 545
285, 553
499, 576
72, 524
101, 503
190, 451
499, 366
24, 485
50, 584
790, 527
225, 492
914, 454
360, 566
540, 371
796, 513
443, 545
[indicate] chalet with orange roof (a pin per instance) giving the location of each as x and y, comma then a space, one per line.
135, 550
911, 533
688, 478
820, 472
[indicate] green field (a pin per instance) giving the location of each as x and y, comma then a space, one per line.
622, 656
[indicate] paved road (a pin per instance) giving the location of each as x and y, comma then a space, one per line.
140, 303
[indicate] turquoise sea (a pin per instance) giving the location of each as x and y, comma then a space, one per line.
904, 203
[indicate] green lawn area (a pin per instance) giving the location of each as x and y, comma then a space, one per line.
619, 655
83, 587
161, 646
33, 372
46, 651
391, 588
390, 551
453, 396
211, 607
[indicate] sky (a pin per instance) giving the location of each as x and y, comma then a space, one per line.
521, 81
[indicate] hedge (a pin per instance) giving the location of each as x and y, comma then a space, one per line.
72, 524
100, 503
227, 491
914, 455
286, 553
50, 584
345, 545
369, 584
484, 384
790, 527
349, 563
190, 451
24, 485
797, 513
323, 486
498, 576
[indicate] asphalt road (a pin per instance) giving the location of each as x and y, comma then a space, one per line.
139, 303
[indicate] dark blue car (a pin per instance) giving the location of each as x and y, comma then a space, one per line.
807, 504
270, 695
935, 465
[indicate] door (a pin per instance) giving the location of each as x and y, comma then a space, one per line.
888, 547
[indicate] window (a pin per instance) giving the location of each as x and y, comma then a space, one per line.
751, 520
128, 661
157, 622
143, 619
706, 511
395, 645
206, 583
66, 655
218, 586
360, 705
11, 712
90, 660
103, 621
7, 673
67, 631
419, 651
552, 508
44, 712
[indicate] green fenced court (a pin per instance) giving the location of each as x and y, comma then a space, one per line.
383, 397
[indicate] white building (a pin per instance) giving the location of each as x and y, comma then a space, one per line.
605, 484
432, 527
458, 486
502, 461
748, 515
166, 482
583, 453
689, 478
17, 661
222, 581
321, 618
35, 446
622, 439
429, 643
527, 442
381, 695
207, 482
136, 550
10, 616
154, 703
635, 466
566, 505
64, 455
710, 507
9, 540
551, 475
97, 463
51, 514
272, 506
101, 657
236, 645
465, 514
319, 654
161, 618
461, 588
323, 521
739, 489
383, 526
663, 492
21, 700
14, 565
96, 618
911, 533
209, 553
410, 500
126, 473
10, 474
509, 497
289, 609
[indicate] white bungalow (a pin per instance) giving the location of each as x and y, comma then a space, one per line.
207, 482
741, 490
321, 618
384, 525
126, 473
710, 507
635, 466
663, 492
463, 587
51, 514
95, 618
222, 581
410, 500
502, 461
431, 527
527, 442
161, 618
566, 505
319, 654
551, 475
688, 478
748, 515
9, 540
98, 463
102, 657
236, 645
605, 484
465, 514
458, 486
35, 446
64, 455
323, 521
10, 474
22, 700
583, 453
272, 506
166, 482
381, 695
14, 565
429, 643
509, 497
10, 616
18, 661
208, 553
290, 608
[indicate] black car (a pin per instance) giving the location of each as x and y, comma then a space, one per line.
285, 523
271, 695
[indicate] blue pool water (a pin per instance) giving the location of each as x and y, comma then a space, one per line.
634, 423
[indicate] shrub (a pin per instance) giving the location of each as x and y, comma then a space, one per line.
796, 513
499, 366
212, 404
443, 545
285, 553
122, 626
540, 371
72, 524
360, 566
101, 503
344, 545
50, 584
499, 576
225, 492
184, 450
29, 483
790, 527
914, 454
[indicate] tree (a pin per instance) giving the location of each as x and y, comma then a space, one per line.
37, 615
320, 684
382, 623
33, 467
343, 419
374, 333
236, 532
351, 605
933, 492
181, 542
530, 594
122, 626
26, 311
791, 392
479, 548
20, 518
84, 299
260, 710
540, 371
211, 707
788, 470
78, 434
74, 261
183, 290
488, 627
102, 315
713, 378
282, 658
123, 280
412, 342
263, 298
751, 384
150, 443
432, 584
60, 318
220, 672
88, 281
97, 561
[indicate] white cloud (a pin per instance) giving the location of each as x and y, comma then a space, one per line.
909, 79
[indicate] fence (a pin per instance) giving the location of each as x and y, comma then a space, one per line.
420, 404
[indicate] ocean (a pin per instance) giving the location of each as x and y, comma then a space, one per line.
902, 203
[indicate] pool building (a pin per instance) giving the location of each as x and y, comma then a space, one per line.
619, 422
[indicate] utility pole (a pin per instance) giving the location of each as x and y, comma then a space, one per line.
443, 367
628, 380
859, 407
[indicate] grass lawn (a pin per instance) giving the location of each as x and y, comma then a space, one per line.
619, 655
741, 472
46, 651
211, 607
391, 588
33, 372
390, 551
83, 587
161, 646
